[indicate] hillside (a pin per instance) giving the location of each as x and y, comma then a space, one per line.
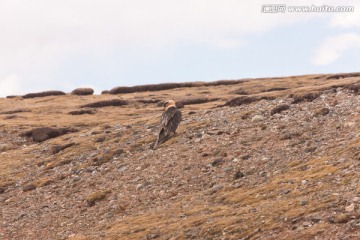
273, 158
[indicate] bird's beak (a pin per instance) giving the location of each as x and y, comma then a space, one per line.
165, 103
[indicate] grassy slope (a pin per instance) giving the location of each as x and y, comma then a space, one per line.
242, 211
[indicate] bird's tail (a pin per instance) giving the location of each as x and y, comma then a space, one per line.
161, 139
156, 144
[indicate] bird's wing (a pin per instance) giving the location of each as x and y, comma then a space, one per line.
166, 117
169, 122
174, 121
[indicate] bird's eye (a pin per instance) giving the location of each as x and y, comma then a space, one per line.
166, 103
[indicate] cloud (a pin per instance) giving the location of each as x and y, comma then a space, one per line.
40, 37
334, 47
10, 85
347, 20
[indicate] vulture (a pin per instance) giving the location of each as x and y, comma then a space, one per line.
170, 120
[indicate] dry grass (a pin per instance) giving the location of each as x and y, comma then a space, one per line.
237, 212
97, 196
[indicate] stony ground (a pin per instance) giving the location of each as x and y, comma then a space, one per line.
270, 169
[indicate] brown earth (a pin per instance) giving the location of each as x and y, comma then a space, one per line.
281, 162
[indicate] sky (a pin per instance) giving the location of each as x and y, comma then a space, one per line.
67, 44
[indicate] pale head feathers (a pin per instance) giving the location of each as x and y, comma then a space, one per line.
169, 103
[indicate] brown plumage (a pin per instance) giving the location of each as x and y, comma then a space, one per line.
169, 122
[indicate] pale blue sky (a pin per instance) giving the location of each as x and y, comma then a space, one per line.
62, 45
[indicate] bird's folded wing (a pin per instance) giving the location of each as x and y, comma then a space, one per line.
174, 121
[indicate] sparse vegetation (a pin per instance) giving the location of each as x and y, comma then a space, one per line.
292, 173
96, 197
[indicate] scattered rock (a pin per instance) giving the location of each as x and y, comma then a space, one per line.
29, 187
197, 101
139, 186
15, 111
289, 135
100, 160
240, 91
310, 149
238, 101
306, 224
257, 118
148, 100
217, 162
275, 89
119, 151
279, 109
83, 91
167, 86
83, 111
43, 94
350, 208
321, 112
340, 218
238, 175
13, 96
107, 103
343, 75
305, 97
58, 148
45, 133
100, 139
354, 87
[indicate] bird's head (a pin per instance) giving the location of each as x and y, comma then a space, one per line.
169, 103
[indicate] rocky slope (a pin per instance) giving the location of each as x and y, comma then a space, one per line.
282, 162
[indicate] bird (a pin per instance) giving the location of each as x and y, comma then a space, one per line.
170, 120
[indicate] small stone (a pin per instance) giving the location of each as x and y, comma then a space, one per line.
238, 175
303, 203
306, 224
139, 186
228, 169
258, 118
310, 149
340, 218
316, 218
350, 208
356, 199
122, 168
262, 173
303, 182
321, 112
217, 162
100, 139
29, 187
279, 109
